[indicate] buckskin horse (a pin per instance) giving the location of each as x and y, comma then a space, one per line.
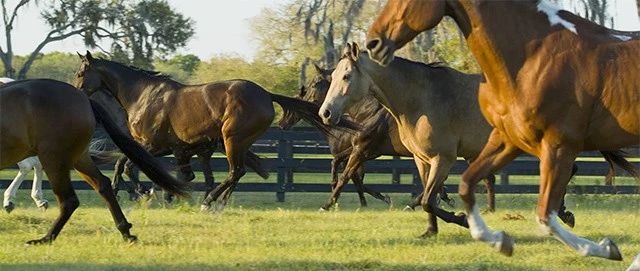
55, 121
556, 84
163, 113
379, 136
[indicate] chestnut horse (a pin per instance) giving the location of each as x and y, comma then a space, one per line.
556, 84
55, 121
164, 114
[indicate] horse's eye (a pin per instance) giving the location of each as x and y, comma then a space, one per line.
346, 77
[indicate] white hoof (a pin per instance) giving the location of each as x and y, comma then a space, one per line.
204, 208
322, 210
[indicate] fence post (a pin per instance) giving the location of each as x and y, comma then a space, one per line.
395, 173
504, 177
285, 173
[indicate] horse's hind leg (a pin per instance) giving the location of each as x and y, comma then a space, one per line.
100, 184
567, 217
36, 188
236, 149
205, 159
358, 180
58, 173
10, 193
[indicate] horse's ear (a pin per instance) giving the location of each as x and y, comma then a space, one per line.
80, 55
318, 69
346, 50
355, 50
89, 56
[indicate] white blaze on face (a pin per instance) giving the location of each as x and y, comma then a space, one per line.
552, 14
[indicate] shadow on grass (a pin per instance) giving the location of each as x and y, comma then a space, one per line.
283, 265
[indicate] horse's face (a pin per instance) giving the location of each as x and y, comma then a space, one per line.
315, 92
399, 22
87, 77
348, 86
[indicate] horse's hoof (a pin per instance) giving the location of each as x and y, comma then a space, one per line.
322, 210
43, 241
614, 252
428, 234
408, 209
204, 208
218, 207
505, 245
43, 207
130, 238
568, 218
9, 207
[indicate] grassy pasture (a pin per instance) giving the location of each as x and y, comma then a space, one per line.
257, 233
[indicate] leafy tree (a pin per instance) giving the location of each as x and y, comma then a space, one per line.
180, 67
136, 29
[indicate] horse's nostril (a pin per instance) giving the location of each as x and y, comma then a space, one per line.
326, 114
372, 44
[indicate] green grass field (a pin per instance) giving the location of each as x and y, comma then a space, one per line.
257, 233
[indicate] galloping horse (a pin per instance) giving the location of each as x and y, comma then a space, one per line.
55, 121
379, 136
556, 84
164, 114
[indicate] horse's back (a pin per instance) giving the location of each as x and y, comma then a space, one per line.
40, 114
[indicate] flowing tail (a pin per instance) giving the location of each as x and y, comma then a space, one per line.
145, 161
618, 158
103, 152
309, 112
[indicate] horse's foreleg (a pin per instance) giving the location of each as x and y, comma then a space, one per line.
555, 172
236, 149
209, 181
495, 154
433, 180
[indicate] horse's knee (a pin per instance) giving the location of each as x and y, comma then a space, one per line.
238, 172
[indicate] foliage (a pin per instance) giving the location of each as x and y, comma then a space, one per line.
137, 30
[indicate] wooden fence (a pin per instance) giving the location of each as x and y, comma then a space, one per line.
309, 141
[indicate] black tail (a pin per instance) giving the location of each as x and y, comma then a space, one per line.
102, 152
309, 112
256, 163
618, 158
144, 160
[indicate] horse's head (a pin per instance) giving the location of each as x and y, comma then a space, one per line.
87, 78
399, 22
314, 92
349, 85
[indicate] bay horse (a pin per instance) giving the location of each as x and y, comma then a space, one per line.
55, 121
165, 114
556, 84
379, 136
185, 172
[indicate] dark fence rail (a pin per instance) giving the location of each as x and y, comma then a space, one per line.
307, 141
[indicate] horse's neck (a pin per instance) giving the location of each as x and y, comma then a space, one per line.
500, 34
393, 94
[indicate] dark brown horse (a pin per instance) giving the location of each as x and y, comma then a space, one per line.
164, 114
379, 136
556, 84
185, 173
55, 121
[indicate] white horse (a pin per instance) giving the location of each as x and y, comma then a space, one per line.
24, 167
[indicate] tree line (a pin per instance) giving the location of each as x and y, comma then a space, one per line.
291, 37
